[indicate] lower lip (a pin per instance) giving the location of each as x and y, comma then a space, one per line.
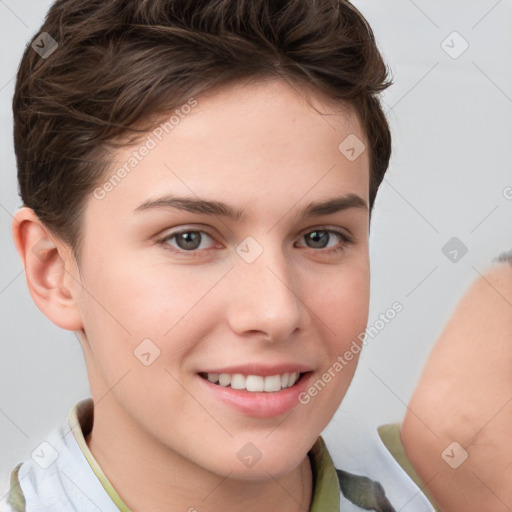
260, 405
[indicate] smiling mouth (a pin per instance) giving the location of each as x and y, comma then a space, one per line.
254, 383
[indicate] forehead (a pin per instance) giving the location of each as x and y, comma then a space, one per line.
285, 116
247, 141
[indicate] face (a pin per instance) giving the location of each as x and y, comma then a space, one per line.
225, 274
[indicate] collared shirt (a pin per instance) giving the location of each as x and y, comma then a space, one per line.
63, 475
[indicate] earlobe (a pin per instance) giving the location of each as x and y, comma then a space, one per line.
48, 270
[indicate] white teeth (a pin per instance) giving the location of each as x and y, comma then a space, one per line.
224, 379
238, 381
273, 383
255, 383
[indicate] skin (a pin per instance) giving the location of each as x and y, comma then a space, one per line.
464, 395
258, 146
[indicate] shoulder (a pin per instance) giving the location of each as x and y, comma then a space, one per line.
58, 477
381, 478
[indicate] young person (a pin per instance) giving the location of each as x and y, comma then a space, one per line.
197, 180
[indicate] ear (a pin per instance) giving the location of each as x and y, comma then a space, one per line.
51, 271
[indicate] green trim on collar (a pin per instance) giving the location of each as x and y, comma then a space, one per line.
81, 420
16, 498
390, 436
326, 490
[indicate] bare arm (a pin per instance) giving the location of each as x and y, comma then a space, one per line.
465, 396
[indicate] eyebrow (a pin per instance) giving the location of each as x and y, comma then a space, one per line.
218, 208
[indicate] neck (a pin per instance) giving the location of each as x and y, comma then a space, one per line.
150, 476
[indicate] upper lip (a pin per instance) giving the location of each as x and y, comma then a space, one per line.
261, 369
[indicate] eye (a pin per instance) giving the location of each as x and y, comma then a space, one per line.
190, 242
330, 239
186, 241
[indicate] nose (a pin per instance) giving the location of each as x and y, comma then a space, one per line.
265, 298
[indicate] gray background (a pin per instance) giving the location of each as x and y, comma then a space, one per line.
452, 125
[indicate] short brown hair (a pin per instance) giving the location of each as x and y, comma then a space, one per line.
119, 63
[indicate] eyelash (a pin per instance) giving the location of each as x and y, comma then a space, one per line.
345, 240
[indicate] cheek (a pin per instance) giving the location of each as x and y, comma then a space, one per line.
143, 300
129, 302
342, 306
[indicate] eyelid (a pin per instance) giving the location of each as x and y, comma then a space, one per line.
185, 229
343, 232
166, 235
346, 238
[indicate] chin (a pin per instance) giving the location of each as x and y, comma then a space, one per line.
245, 461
